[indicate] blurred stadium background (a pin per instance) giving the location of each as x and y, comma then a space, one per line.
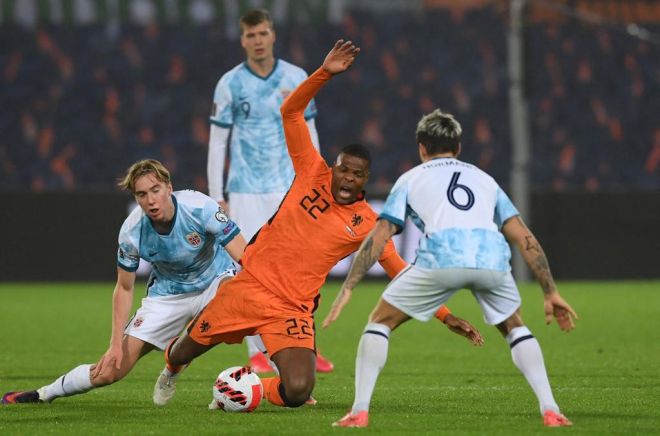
559, 101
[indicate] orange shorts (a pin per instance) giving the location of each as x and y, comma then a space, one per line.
244, 307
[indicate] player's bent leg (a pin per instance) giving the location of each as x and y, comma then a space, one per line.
528, 358
133, 349
370, 360
297, 377
178, 354
79, 380
388, 315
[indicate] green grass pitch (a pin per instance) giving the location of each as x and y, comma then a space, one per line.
605, 374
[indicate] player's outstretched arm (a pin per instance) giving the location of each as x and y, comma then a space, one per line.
517, 233
304, 155
370, 251
465, 329
122, 301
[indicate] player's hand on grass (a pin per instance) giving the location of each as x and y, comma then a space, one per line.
341, 57
112, 357
464, 328
342, 299
555, 305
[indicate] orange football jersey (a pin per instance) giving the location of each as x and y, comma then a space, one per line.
295, 250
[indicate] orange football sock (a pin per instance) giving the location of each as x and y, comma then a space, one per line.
171, 368
272, 390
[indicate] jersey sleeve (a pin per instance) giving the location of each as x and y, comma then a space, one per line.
304, 156
390, 260
504, 208
310, 112
128, 253
218, 223
395, 208
222, 114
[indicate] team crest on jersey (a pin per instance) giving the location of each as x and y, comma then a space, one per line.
194, 239
138, 322
204, 326
356, 220
221, 215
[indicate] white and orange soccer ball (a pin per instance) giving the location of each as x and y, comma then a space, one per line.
237, 389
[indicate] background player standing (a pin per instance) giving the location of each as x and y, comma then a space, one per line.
465, 217
189, 241
247, 104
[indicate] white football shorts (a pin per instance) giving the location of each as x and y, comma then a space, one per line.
251, 211
159, 319
420, 292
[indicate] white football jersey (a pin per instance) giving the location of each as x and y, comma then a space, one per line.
250, 106
460, 210
190, 256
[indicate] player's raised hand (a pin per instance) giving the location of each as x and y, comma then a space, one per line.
341, 57
464, 328
342, 299
555, 305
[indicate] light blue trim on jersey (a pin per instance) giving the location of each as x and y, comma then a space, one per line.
397, 222
417, 221
247, 67
396, 208
219, 124
230, 237
464, 248
504, 209
125, 268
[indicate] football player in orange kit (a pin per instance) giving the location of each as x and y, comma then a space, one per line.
322, 219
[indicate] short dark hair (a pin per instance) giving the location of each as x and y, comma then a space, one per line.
357, 150
439, 132
255, 17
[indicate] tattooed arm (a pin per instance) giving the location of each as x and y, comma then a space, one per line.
517, 233
369, 252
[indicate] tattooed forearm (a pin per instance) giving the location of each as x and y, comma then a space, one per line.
542, 273
530, 243
538, 263
367, 255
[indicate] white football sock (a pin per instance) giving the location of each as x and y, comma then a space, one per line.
255, 345
76, 381
527, 356
371, 358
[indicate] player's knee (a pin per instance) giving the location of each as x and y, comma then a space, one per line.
297, 391
107, 377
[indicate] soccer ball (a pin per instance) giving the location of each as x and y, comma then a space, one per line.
237, 389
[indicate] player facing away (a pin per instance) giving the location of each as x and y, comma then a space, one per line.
322, 219
467, 220
191, 243
246, 103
